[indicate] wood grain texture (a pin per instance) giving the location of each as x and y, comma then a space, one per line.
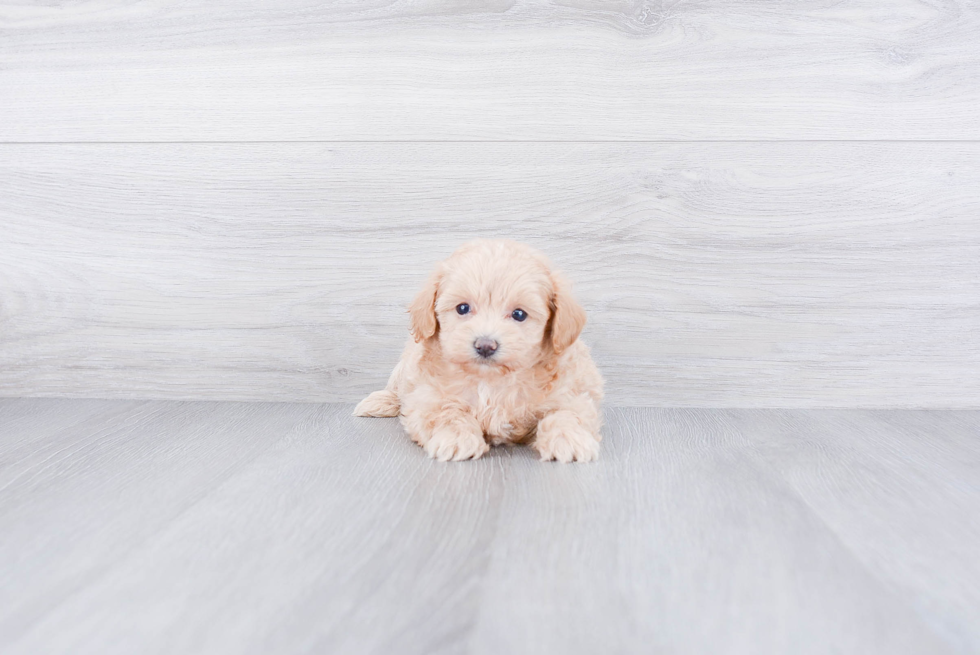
499, 70
874, 491
775, 274
690, 541
168, 527
106, 485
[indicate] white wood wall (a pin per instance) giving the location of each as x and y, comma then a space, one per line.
762, 204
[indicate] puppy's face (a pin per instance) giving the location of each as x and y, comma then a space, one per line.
496, 305
493, 313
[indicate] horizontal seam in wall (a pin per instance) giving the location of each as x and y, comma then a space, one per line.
464, 141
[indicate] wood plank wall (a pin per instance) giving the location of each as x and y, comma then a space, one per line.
761, 204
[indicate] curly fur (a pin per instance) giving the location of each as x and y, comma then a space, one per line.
540, 386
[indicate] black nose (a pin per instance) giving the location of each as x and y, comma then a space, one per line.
486, 347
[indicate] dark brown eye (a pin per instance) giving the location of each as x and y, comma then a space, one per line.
462, 308
519, 315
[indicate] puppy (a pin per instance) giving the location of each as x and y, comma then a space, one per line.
495, 359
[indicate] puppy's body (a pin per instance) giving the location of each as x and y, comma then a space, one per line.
508, 369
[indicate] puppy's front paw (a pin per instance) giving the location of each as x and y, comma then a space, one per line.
566, 440
452, 444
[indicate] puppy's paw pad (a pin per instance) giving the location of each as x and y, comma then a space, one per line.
573, 445
447, 444
379, 403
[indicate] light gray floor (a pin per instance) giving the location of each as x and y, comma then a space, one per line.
178, 527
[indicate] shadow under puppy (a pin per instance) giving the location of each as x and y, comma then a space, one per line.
495, 359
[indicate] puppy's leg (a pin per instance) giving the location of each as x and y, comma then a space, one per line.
379, 403
457, 441
386, 401
570, 433
446, 430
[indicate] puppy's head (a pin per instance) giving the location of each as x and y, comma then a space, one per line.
497, 305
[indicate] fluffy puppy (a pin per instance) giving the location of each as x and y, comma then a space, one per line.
494, 359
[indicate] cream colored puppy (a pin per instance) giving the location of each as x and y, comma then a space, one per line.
495, 359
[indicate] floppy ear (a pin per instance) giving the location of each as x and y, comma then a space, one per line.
422, 311
567, 316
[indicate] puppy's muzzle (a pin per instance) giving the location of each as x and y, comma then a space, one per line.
485, 347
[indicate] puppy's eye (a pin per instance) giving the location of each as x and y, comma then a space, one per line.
519, 315
462, 308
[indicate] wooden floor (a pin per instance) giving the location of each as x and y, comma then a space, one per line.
186, 527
